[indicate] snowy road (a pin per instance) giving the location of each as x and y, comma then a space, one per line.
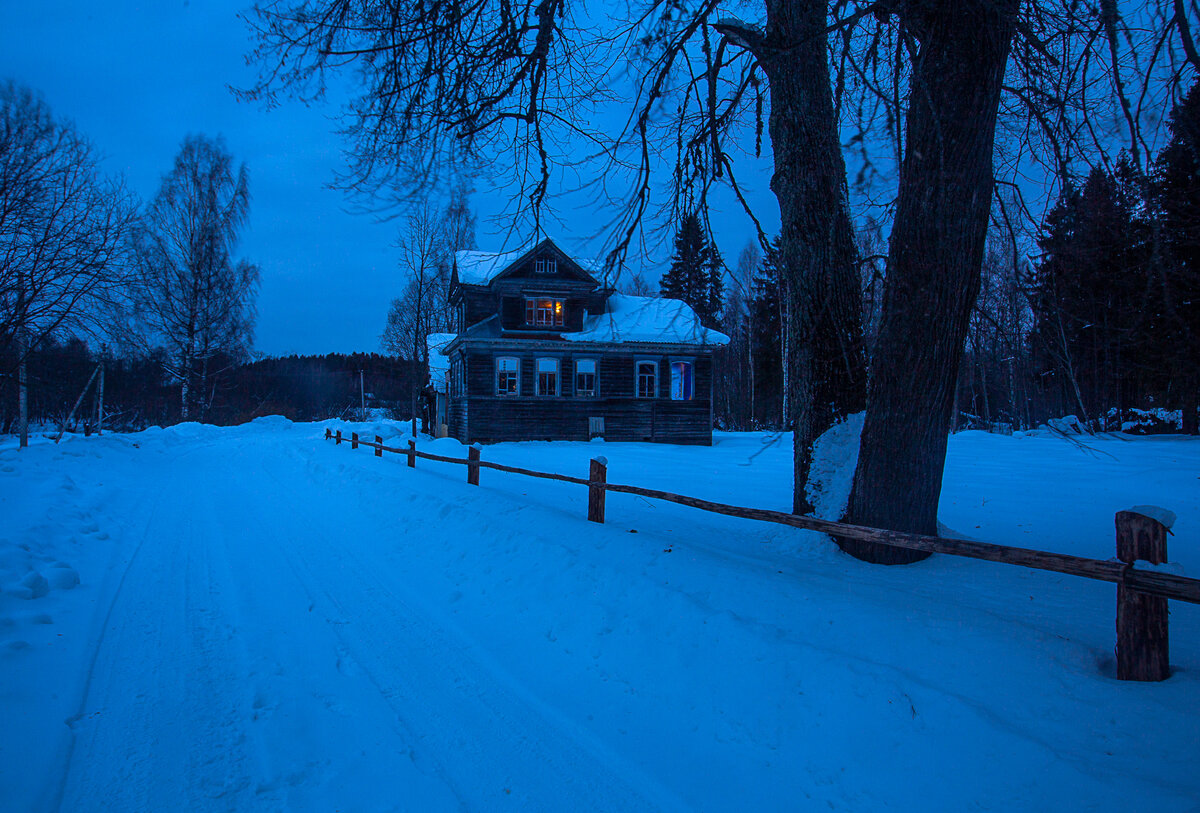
267, 622
248, 633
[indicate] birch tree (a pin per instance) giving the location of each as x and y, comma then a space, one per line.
192, 293
63, 230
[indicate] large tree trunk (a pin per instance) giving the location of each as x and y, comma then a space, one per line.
934, 265
824, 356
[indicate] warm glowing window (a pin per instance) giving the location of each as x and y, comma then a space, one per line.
683, 382
647, 379
544, 312
585, 377
547, 376
544, 266
508, 376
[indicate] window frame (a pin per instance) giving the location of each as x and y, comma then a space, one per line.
595, 391
637, 378
537, 376
557, 310
545, 265
691, 380
516, 392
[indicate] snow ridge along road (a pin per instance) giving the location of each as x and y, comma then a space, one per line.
269, 622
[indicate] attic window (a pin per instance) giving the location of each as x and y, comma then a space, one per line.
544, 312
544, 266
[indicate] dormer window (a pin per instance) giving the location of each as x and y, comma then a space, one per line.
544, 266
541, 312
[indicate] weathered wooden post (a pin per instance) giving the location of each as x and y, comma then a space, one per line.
378, 446
337, 441
597, 476
1142, 639
328, 433
353, 440
412, 454
473, 464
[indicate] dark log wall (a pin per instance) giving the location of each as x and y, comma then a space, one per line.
479, 303
496, 419
565, 417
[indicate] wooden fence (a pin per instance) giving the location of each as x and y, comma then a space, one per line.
1142, 637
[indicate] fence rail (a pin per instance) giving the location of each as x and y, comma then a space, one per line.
1141, 594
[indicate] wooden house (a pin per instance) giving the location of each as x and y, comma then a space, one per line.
544, 352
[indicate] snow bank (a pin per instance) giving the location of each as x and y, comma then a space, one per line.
835, 456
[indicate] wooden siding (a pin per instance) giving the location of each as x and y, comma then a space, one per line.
497, 418
479, 304
565, 417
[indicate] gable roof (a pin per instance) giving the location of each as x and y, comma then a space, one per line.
482, 267
646, 319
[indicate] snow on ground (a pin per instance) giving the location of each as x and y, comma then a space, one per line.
265, 621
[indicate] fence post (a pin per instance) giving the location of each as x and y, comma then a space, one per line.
597, 476
473, 464
378, 446
1142, 637
353, 440
412, 454
328, 433
337, 441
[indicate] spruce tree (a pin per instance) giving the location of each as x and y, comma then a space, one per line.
695, 273
1175, 305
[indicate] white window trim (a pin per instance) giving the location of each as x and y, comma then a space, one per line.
537, 376
689, 360
637, 363
595, 378
496, 375
545, 265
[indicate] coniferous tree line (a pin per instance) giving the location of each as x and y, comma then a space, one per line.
137, 395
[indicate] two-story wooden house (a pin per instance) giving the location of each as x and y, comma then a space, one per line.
544, 352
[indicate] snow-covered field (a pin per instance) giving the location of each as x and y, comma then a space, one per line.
265, 621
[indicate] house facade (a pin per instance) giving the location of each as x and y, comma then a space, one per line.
544, 352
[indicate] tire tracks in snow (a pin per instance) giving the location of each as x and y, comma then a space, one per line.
486, 737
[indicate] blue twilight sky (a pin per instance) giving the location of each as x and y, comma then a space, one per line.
136, 77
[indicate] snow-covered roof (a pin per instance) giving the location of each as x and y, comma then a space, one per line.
646, 319
439, 362
481, 267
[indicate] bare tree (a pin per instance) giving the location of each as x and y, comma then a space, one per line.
192, 293
427, 247
63, 231
518, 82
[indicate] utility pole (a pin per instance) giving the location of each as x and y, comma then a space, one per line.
362, 397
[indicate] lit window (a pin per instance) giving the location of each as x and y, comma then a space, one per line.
544, 312
547, 376
544, 266
647, 379
585, 377
508, 376
683, 383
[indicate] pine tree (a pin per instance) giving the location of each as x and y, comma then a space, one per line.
695, 275
1174, 325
